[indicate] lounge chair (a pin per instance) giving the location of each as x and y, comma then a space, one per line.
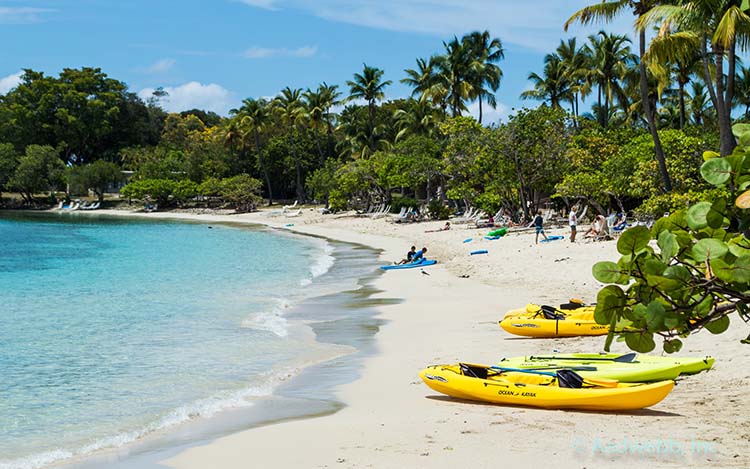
296, 213
384, 213
468, 217
93, 206
289, 207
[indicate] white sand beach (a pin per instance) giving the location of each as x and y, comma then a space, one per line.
392, 420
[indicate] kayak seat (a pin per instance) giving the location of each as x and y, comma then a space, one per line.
550, 312
473, 371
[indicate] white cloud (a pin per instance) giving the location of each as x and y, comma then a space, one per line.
489, 115
536, 24
265, 4
160, 66
10, 82
194, 95
266, 52
22, 15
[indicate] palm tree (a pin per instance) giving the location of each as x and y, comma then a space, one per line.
553, 87
369, 86
291, 111
610, 61
699, 104
455, 70
606, 11
693, 24
577, 64
485, 75
742, 90
415, 118
255, 115
329, 97
315, 109
428, 83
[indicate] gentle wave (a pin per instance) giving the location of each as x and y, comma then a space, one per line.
203, 408
271, 321
321, 265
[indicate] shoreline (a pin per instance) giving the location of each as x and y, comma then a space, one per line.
392, 420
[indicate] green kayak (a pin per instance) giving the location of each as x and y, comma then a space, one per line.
688, 365
624, 372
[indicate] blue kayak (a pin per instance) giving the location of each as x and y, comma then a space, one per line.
410, 265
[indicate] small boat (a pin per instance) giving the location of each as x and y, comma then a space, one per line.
488, 384
687, 365
624, 371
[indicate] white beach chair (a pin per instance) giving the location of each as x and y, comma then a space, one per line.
296, 213
289, 207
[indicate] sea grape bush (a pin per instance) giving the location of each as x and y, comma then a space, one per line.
691, 270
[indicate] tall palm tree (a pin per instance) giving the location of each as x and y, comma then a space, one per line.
577, 64
369, 85
455, 70
255, 116
695, 24
553, 87
315, 109
699, 102
428, 83
329, 97
485, 75
415, 118
610, 61
742, 90
291, 111
606, 11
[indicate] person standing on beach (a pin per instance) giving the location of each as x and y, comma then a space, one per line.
539, 225
573, 221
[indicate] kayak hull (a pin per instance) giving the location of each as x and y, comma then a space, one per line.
549, 328
541, 391
410, 265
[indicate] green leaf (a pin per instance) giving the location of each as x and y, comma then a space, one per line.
715, 216
716, 171
739, 246
642, 342
678, 272
708, 155
654, 267
607, 272
741, 130
709, 248
696, 215
667, 242
718, 326
655, 316
609, 302
735, 272
633, 240
673, 345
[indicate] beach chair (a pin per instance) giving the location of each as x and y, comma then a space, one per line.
382, 214
296, 213
289, 207
467, 217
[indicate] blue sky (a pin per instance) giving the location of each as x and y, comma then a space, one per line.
211, 54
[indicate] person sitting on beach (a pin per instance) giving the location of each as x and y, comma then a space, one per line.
538, 223
419, 255
596, 227
444, 228
409, 256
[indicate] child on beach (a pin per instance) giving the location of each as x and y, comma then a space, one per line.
419, 255
573, 221
538, 223
409, 256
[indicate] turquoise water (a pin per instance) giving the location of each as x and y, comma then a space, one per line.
111, 330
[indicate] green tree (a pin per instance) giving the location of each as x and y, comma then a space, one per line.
38, 170
8, 164
97, 176
369, 85
485, 75
242, 191
606, 11
554, 87
255, 117
291, 111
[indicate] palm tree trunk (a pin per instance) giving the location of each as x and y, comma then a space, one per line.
725, 123
329, 137
681, 92
263, 168
606, 107
599, 102
729, 100
371, 111
658, 150
480, 109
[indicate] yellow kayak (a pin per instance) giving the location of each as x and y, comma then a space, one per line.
568, 309
547, 321
482, 383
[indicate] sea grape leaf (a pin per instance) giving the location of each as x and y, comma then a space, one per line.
707, 155
739, 246
642, 342
662, 283
717, 213
667, 242
716, 171
655, 316
609, 302
653, 267
633, 240
718, 326
607, 272
696, 215
709, 248
736, 272
672, 345
739, 130
743, 200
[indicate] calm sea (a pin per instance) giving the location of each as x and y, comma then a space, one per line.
115, 329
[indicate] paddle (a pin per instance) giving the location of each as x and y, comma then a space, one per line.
566, 378
627, 358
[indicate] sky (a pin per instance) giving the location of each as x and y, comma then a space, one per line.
211, 54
